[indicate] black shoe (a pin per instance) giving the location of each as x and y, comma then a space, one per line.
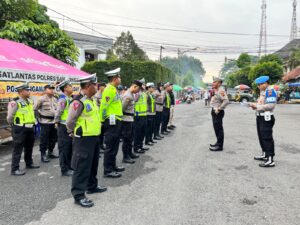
139, 151
153, 142
128, 161
261, 157
45, 159
216, 149
119, 169
86, 203
168, 131
157, 138
134, 156
160, 136
52, 156
171, 128
112, 174
268, 163
98, 189
18, 172
149, 144
164, 133
145, 148
32, 166
102, 147
68, 173
215, 145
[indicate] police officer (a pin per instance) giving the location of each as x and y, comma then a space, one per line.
150, 114
45, 110
64, 139
171, 126
111, 115
166, 109
127, 122
98, 98
21, 117
140, 119
84, 124
159, 100
265, 120
219, 101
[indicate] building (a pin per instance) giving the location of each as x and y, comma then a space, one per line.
90, 47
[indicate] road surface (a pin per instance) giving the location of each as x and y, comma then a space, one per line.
177, 182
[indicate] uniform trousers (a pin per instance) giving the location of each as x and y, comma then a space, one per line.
150, 128
127, 134
158, 118
64, 148
112, 134
48, 138
218, 126
139, 126
165, 119
85, 162
23, 139
265, 134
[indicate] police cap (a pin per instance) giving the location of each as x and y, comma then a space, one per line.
88, 79
262, 79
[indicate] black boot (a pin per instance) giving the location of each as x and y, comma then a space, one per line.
269, 163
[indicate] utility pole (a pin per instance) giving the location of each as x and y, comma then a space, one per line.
294, 22
178, 61
160, 55
263, 30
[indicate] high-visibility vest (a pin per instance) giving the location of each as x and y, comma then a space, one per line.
140, 106
89, 121
64, 115
151, 107
25, 113
167, 101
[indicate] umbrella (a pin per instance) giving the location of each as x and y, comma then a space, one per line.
177, 87
242, 87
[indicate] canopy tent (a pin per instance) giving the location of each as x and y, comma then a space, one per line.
177, 87
21, 63
294, 84
242, 87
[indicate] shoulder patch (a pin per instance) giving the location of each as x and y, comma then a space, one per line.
107, 98
76, 105
222, 93
13, 104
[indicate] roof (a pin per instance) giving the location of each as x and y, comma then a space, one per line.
294, 74
286, 51
82, 40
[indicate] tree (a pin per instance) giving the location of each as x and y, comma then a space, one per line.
110, 55
42, 37
294, 59
244, 60
272, 69
228, 68
271, 58
188, 79
126, 49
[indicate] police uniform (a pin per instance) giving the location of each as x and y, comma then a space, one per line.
21, 117
172, 97
45, 110
127, 125
159, 100
84, 124
166, 110
265, 121
111, 115
219, 101
150, 116
64, 139
140, 120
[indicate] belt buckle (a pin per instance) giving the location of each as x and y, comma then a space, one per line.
28, 125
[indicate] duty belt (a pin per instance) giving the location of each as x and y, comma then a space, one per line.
128, 114
263, 114
25, 125
159, 103
47, 117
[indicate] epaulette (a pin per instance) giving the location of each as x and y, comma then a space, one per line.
16, 99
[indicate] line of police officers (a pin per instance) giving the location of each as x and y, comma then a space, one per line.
83, 123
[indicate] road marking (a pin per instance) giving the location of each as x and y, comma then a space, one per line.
42, 174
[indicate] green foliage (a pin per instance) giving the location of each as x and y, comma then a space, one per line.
294, 59
151, 71
244, 60
126, 49
271, 58
42, 37
188, 79
228, 68
272, 69
110, 55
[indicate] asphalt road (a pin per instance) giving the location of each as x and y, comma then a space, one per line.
177, 182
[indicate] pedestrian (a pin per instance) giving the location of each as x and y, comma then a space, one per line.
265, 121
158, 111
171, 126
219, 101
45, 110
127, 122
150, 114
64, 139
20, 116
140, 119
84, 124
206, 98
97, 98
111, 116
166, 110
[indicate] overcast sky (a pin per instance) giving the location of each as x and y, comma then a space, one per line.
230, 16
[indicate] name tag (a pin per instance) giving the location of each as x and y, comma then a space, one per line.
112, 120
267, 116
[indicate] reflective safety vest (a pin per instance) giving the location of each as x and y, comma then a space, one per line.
167, 101
111, 103
64, 115
151, 106
140, 106
89, 122
25, 113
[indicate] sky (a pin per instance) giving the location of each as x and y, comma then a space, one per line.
111, 17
